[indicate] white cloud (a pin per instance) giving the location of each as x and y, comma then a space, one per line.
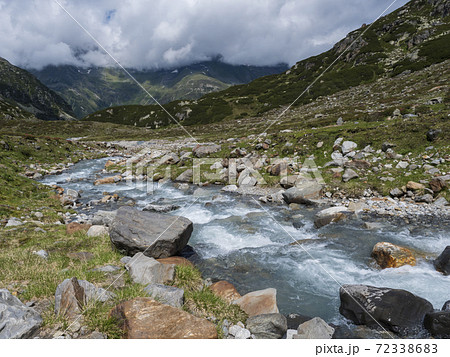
161, 33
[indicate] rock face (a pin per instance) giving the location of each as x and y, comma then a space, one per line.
268, 326
155, 234
394, 309
168, 295
145, 270
145, 318
315, 328
303, 195
389, 255
442, 263
259, 302
16, 319
202, 151
438, 323
72, 294
329, 215
225, 290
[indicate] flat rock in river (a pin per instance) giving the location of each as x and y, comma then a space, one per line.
259, 302
156, 235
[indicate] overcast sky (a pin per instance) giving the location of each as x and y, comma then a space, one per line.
167, 33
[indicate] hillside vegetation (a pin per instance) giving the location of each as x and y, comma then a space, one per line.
407, 40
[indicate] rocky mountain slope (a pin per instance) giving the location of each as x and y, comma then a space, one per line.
407, 40
22, 95
92, 89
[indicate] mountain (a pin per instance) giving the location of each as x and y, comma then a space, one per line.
22, 94
407, 40
92, 89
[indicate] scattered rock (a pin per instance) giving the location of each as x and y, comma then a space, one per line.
72, 294
16, 319
348, 146
14, 222
394, 309
202, 151
107, 269
97, 231
145, 318
247, 178
168, 295
437, 184
103, 218
385, 146
315, 328
108, 180
239, 332
427, 198
267, 326
146, 270
185, 176
442, 263
304, 194
330, 215
414, 186
396, 192
229, 188
259, 302
389, 255
225, 290
41, 253
433, 134
340, 121
349, 174
155, 234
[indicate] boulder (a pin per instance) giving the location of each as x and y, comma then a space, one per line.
259, 302
437, 184
14, 222
74, 227
267, 326
348, 146
225, 290
168, 295
295, 320
438, 323
155, 234
414, 186
315, 328
397, 310
146, 270
239, 332
16, 319
247, 178
169, 159
396, 192
206, 150
97, 231
389, 255
442, 263
72, 294
145, 318
304, 194
330, 215
185, 176
160, 208
349, 174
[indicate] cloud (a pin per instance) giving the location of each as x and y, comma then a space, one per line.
161, 33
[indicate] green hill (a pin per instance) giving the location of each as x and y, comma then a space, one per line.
93, 89
21, 94
407, 40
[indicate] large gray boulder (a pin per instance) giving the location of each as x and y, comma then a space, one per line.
442, 263
397, 310
303, 194
156, 235
330, 215
267, 326
103, 218
168, 295
16, 319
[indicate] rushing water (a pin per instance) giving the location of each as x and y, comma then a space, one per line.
249, 245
